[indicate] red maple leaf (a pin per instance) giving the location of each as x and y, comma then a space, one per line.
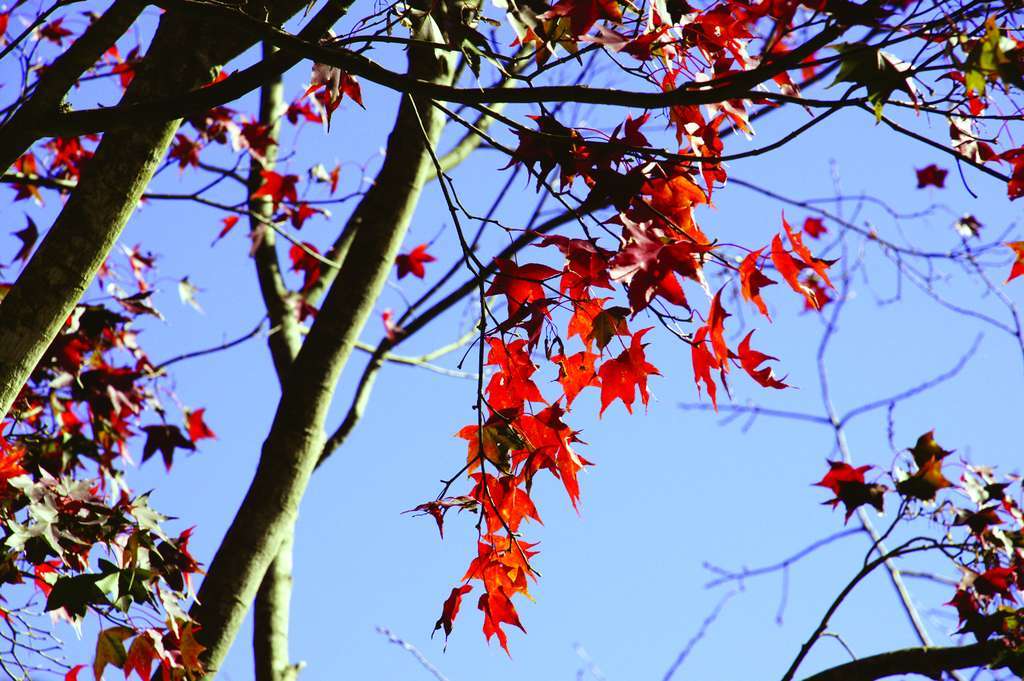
583, 14
819, 294
703, 362
814, 227
185, 151
511, 385
304, 260
255, 137
498, 610
278, 187
1015, 187
716, 330
931, 175
819, 266
450, 609
228, 224
301, 108
1018, 259
575, 373
997, 581
848, 486
789, 268
622, 376
751, 360
752, 280
413, 261
55, 32
197, 428
553, 145
298, 215
520, 285
649, 265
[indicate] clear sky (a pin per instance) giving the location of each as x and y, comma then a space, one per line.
671, 488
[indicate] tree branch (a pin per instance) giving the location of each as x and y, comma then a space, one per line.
925, 661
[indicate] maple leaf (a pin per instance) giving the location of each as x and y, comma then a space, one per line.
185, 151
438, 509
879, 72
622, 376
27, 166
197, 428
583, 14
716, 330
298, 215
751, 359
1018, 259
165, 439
190, 649
301, 108
336, 84
72, 674
704, 361
978, 520
139, 304
814, 227
504, 504
926, 481
140, 657
752, 280
511, 385
413, 261
586, 266
848, 486
649, 265
674, 197
997, 581
553, 145
1015, 187
304, 260
498, 610
498, 438
277, 187
520, 285
820, 296
28, 237
55, 32
110, 649
450, 610
931, 176
228, 224
575, 373
255, 137
819, 266
926, 449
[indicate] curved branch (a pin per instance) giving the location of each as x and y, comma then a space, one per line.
931, 662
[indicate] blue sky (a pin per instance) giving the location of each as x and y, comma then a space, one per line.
671, 488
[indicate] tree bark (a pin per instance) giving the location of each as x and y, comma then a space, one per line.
63, 267
272, 609
270, 618
296, 438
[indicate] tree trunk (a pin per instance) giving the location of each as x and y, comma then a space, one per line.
295, 442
